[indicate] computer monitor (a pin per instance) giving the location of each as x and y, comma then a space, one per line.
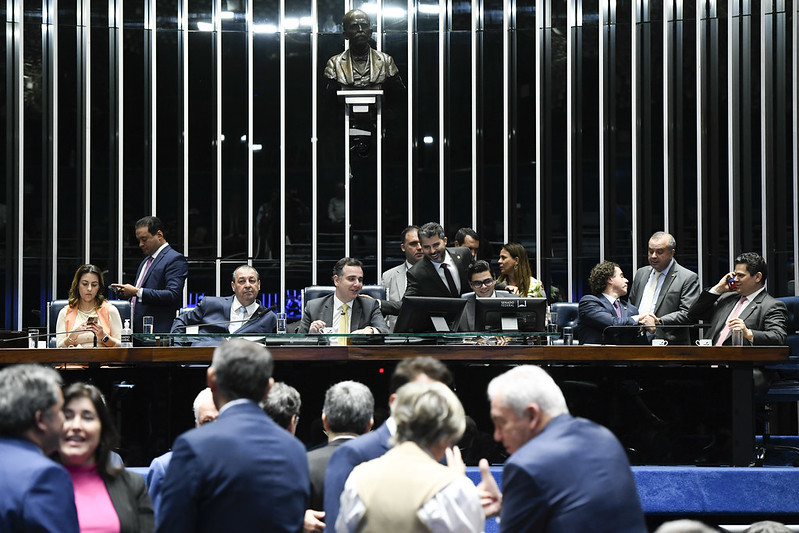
510, 314
425, 314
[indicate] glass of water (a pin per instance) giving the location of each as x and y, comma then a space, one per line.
147, 325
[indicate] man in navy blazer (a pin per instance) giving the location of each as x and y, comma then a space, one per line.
564, 474
240, 313
374, 444
243, 472
35, 493
158, 290
666, 289
604, 318
363, 313
740, 300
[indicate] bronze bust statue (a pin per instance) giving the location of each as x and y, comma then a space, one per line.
361, 67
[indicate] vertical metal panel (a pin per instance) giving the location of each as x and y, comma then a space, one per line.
442, 50
669, 48
795, 100
50, 73
217, 60
379, 142
505, 122
572, 136
85, 114
183, 39
733, 117
541, 8
16, 146
640, 8
152, 72
250, 132
119, 117
411, 18
701, 44
605, 22
476, 10
282, 25
314, 143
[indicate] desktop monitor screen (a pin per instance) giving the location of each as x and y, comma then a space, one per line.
424, 314
510, 314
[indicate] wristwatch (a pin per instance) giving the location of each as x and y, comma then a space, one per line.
105, 339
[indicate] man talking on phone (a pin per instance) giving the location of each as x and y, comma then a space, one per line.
158, 290
740, 300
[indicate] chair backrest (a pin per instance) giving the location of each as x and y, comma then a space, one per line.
792, 303
378, 292
568, 313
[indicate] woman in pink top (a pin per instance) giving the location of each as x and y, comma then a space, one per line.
109, 499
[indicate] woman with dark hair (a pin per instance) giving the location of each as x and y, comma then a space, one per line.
515, 271
108, 498
89, 312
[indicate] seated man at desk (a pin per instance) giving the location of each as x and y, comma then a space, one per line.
484, 285
604, 318
240, 313
345, 310
740, 300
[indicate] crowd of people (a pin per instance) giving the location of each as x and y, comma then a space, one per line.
242, 469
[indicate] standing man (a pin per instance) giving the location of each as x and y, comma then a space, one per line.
158, 291
243, 472
740, 300
374, 444
395, 279
665, 289
564, 474
468, 237
344, 310
240, 313
604, 318
35, 493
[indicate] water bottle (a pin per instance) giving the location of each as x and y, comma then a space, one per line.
548, 317
127, 335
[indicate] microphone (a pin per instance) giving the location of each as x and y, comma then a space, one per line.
53, 334
656, 326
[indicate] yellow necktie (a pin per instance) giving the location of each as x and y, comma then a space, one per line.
343, 325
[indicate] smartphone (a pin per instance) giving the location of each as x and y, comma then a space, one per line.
90, 320
733, 283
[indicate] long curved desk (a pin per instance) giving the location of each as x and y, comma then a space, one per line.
731, 366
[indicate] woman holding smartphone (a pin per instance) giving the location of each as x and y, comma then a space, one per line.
88, 313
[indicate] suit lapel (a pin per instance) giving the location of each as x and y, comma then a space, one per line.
260, 311
433, 273
671, 274
327, 310
752, 307
156, 260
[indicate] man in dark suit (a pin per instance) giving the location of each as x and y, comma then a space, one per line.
564, 474
665, 289
346, 311
374, 444
243, 472
347, 413
740, 300
158, 291
35, 492
240, 313
604, 318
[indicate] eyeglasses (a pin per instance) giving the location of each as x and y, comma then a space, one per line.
484, 283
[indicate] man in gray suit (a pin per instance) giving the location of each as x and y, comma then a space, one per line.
740, 300
665, 289
394, 279
345, 310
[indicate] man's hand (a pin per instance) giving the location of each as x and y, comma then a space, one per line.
368, 330
724, 283
316, 326
126, 291
490, 495
313, 521
739, 323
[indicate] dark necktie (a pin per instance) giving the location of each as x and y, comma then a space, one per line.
453, 289
617, 305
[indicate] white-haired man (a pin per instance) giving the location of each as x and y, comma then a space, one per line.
564, 474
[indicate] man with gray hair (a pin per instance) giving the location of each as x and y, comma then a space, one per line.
684, 526
348, 411
283, 406
36, 493
564, 474
243, 472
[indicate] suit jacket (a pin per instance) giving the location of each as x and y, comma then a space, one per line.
597, 318
365, 312
162, 290
344, 459
317, 466
395, 281
678, 293
35, 492
766, 316
381, 67
212, 310
155, 479
132, 503
241, 473
573, 476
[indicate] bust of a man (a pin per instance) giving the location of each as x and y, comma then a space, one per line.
361, 67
